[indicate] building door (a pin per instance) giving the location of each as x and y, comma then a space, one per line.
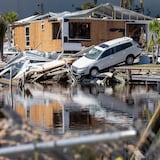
135, 31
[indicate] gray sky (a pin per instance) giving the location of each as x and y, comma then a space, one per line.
26, 8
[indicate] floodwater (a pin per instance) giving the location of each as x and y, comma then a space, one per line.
61, 108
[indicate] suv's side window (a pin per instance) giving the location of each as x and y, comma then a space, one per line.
106, 53
126, 45
114, 49
121, 47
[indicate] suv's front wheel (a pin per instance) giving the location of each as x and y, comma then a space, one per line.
94, 72
130, 59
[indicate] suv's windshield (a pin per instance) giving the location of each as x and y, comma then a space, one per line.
93, 53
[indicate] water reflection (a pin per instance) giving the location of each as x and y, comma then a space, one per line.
62, 108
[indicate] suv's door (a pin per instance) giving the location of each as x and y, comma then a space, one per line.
105, 60
120, 52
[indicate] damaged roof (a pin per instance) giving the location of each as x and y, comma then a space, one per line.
35, 18
105, 11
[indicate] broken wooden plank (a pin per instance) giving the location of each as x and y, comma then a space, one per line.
49, 68
144, 67
7, 81
56, 63
50, 74
145, 73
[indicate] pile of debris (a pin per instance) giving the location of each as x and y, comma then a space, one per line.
30, 66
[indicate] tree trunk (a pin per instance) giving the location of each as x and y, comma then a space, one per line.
95, 2
124, 3
157, 53
1, 49
3, 28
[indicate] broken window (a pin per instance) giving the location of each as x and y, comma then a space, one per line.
79, 30
56, 30
27, 36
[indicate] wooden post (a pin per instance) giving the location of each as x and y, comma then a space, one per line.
23, 79
10, 85
149, 134
129, 75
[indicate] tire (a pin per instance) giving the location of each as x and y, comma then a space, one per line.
130, 59
94, 72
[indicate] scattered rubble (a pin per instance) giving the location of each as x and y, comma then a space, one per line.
30, 66
16, 132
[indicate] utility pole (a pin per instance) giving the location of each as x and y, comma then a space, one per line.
41, 5
95, 2
18, 7
141, 6
124, 3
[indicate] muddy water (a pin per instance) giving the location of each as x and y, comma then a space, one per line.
81, 108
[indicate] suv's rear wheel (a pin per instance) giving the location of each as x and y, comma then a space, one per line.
130, 59
94, 72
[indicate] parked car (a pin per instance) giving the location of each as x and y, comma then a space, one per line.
106, 55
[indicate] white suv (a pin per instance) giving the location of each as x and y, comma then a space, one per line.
106, 55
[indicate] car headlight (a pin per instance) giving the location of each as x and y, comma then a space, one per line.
80, 70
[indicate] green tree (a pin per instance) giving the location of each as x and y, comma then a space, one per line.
87, 5
11, 17
95, 2
154, 42
3, 28
128, 4
124, 3
141, 6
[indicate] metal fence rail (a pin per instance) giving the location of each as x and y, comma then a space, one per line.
42, 146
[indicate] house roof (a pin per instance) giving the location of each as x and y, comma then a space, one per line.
105, 11
26, 19
34, 18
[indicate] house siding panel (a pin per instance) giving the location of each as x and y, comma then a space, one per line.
42, 39
19, 37
100, 31
39, 39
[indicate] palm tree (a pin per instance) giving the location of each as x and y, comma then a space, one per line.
87, 5
154, 41
128, 4
141, 6
124, 3
3, 28
10, 17
95, 2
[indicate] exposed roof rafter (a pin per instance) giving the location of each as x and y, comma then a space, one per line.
106, 10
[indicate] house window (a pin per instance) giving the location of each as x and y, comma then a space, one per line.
56, 31
27, 36
78, 30
42, 26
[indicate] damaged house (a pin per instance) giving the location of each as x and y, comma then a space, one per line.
68, 32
